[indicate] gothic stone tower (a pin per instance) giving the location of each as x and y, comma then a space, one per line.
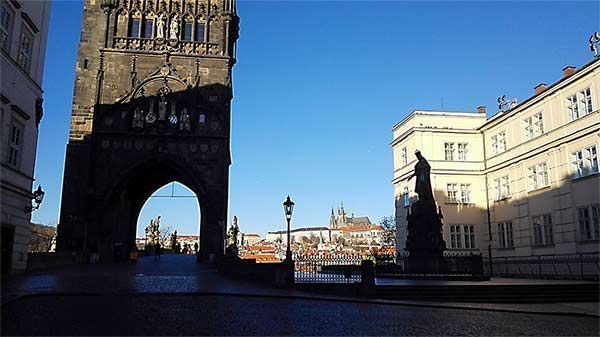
151, 105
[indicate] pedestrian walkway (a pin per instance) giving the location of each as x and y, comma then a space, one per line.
180, 274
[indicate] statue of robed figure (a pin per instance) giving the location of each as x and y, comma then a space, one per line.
423, 183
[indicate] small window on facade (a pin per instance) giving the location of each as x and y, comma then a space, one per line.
404, 156
538, 176
589, 222
25, 49
469, 231
449, 151
579, 104
405, 198
465, 193
585, 161
455, 237
134, 28
451, 191
199, 36
148, 26
15, 144
499, 143
534, 126
187, 31
542, 230
463, 151
6, 23
505, 235
502, 188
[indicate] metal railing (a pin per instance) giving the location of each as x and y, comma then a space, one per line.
330, 268
583, 266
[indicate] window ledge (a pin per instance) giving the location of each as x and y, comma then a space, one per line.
539, 189
587, 176
505, 248
548, 245
586, 241
502, 199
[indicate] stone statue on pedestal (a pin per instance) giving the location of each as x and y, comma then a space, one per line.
231, 248
425, 241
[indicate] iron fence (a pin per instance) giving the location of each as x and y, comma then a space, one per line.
454, 264
330, 268
584, 266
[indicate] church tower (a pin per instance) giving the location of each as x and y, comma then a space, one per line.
332, 223
151, 105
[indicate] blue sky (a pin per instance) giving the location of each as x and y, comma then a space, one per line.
319, 85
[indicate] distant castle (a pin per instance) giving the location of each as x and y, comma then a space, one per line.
342, 220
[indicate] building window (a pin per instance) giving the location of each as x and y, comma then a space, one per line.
534, 126
463, 151
585, 161
199, 37
469, 231
15, 144
187, 30
538, 176
449, 147
579, 104
455, 237
499, 143
505, 235
148, 27
542, 230
25, 49
465, 193
404, 156
589, 222
405, 199
452, 192
502, 187
134, 28
6, 23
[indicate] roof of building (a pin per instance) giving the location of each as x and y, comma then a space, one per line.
360, 220
251, 234
360, 228
303, 229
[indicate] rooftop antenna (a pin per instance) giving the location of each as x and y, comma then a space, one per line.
594, 42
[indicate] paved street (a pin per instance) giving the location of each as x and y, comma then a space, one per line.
226, 315
176, 296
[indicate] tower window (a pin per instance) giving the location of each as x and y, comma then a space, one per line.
199, 37
134, 28
187, 31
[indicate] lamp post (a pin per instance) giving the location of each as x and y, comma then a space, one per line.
38, 197
288, 208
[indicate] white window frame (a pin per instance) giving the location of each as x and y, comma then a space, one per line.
537, 176
584, 161
449, 151
463, 151
543, 233
465, 193
452, 192
25, 52
14, 148
405, 198
499, 142
6, 25
505, 235
589, 222
502, 188
534, 126
455, 237
580, 104
469, 234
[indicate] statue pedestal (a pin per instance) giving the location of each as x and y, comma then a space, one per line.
425, 242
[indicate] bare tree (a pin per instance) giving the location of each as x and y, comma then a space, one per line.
42, 238
164, 236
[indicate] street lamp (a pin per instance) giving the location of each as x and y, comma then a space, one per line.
288, 208
38, 197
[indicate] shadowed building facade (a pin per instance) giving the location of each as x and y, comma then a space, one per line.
151, 105
523, 182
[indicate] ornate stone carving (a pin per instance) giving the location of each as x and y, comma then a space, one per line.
161, 21
174, 28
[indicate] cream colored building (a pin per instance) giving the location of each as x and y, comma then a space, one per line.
23, 35
528, 173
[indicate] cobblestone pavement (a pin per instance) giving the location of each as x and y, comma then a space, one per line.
178, 296
153, 314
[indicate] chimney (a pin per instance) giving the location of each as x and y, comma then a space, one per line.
481, 109
568, 71
538, 89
